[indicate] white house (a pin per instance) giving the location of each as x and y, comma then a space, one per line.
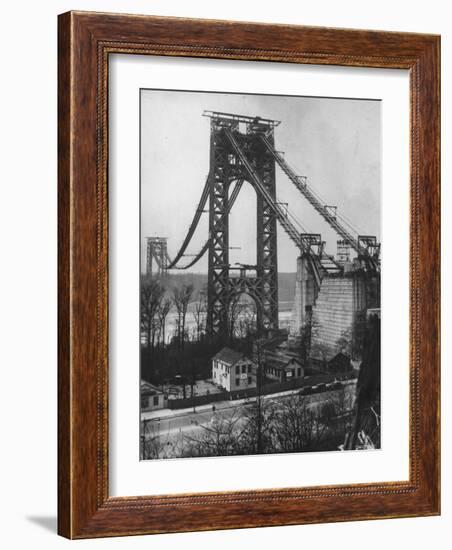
232, 370
151, 397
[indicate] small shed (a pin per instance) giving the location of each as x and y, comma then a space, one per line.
282, 367
152, 398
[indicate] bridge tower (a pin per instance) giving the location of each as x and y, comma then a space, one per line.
226, 166
157, 251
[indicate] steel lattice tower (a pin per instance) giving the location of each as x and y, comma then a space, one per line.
227, 167
157, 252
243, 148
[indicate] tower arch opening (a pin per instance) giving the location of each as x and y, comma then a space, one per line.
243, 315
243, 227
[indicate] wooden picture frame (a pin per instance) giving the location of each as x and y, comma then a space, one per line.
85, 42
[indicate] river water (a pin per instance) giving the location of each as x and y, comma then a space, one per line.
190, 323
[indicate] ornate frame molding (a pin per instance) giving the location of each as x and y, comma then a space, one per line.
85, 42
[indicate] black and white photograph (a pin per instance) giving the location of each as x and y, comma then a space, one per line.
225, 233
260, 247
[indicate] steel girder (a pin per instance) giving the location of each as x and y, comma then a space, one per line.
225, 168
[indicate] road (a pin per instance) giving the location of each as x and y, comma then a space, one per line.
190, 423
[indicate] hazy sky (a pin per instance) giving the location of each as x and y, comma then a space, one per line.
334, 142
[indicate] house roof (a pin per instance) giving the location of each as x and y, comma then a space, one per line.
340, 359
281, 362
229, 356
148, 388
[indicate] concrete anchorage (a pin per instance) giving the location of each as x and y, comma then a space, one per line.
331, 310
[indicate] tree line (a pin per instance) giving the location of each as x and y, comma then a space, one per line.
157, 301
265, 426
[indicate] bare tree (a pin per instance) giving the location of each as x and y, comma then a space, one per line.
291, 423
233, 313
182, 298
163, 310
152, 293
151, 442
241, 317
260, 426
297, 426
155, 444
221, 437
247, 320
199, 314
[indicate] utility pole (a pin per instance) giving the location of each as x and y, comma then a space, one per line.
258, 398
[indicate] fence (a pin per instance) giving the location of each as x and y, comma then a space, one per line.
266, 389
197, 400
